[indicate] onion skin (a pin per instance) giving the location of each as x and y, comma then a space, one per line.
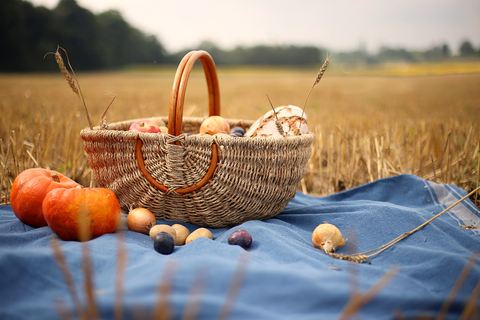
141, 220
327, 237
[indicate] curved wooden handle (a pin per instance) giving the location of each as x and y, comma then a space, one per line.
179, 89
175, 115
160, 186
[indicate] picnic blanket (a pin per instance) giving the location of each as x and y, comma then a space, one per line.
281, 277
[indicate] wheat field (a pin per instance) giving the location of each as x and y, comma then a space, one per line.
367, 126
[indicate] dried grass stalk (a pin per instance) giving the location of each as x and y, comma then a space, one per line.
358, 258
162, 310
458, 284
470, 311
67, 276
277, 122
121, 264
71, 78
358, 300
193, 303
364, 256
320, 74
62, 310
66, 74
234, 288
84, 236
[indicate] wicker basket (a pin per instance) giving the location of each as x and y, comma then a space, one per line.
213, 181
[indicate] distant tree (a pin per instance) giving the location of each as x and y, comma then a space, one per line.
79, 34
93, 41
395, 54
446, 52
121, 44
24, 32
466, 49
437, 53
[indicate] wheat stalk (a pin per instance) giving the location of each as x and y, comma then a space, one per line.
103, 118
458, 284
66, 74
364, 256
62, 310
320, 74
84, 234
67, 276
193, 303
161, 310
470, 310
121, 264
277, 122
234, 287
71, 78
358, 300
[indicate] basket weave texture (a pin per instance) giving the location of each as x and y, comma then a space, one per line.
254, 178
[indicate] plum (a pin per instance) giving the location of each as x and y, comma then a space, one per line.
237, 132
163, 243
240, 238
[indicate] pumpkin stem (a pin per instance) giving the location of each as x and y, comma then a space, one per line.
55, 177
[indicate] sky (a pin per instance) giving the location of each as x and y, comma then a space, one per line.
336, 25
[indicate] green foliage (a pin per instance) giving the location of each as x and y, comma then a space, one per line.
466, 49
107, 41
261, 55
94, 41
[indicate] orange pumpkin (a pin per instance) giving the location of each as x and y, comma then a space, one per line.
64, 208
29, 190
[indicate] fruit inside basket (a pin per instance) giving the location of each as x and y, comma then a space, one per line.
209, 180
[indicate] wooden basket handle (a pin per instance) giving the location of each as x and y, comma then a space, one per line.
175, 116
179, 89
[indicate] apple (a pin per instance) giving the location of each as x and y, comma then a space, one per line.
144, 126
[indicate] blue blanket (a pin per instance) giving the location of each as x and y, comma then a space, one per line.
281, 277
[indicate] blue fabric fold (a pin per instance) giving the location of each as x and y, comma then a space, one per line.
284, 277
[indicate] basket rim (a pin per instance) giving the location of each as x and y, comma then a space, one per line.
98, 132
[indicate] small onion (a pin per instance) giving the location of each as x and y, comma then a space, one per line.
141, 220
328, 237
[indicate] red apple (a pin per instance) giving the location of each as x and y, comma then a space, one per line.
144, 126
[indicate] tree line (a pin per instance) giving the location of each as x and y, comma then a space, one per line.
93, 41
107, 41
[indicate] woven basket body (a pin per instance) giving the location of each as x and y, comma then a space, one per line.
253, 178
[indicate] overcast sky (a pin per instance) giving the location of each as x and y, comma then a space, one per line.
337, 25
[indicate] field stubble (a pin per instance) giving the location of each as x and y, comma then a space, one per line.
366, 127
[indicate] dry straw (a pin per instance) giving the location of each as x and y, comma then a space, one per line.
358, 300
320, 74
71, 78
364, 256
121, 265
67, 276
458, 284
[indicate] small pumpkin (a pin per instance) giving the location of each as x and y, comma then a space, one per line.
64, 208
30, 188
